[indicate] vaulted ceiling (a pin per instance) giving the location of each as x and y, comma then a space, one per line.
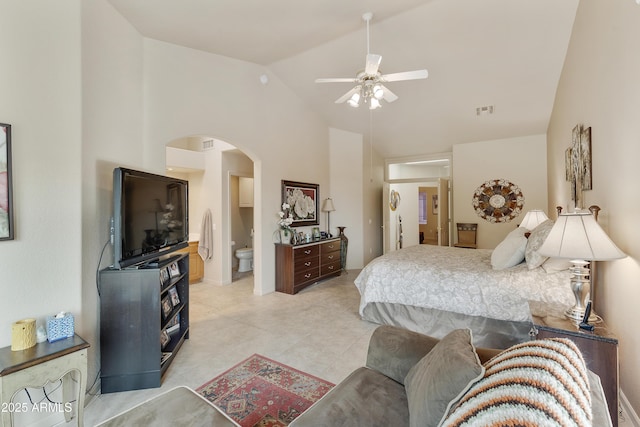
502, 53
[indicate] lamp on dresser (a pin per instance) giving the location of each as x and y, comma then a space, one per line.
578, 237
328, 207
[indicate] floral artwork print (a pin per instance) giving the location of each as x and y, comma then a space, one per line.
302, 202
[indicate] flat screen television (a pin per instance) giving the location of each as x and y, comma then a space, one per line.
150, 218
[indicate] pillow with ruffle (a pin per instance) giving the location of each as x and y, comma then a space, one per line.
536, 239
537, 383
510, 252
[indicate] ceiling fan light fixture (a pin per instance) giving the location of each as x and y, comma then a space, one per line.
374, 104
378, 92
354, 101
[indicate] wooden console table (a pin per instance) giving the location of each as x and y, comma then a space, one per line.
36, 366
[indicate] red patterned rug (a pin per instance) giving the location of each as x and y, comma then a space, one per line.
262, 392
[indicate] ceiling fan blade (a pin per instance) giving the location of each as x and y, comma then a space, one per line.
405, 75
337, 80
347, 95
388, 95
373, 62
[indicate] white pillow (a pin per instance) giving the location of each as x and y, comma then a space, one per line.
553, 265
510, 252
536, 239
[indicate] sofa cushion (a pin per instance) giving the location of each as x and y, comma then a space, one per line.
541, 382
441, 377
365, 398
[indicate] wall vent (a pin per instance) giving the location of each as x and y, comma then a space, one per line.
208, 144
484, 111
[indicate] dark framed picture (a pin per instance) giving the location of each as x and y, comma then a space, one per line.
173, 294
303, 201
164, 276
166, 307
164, 338
434, 204
174, 270
6, 202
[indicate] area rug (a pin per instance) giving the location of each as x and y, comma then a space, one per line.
262, 392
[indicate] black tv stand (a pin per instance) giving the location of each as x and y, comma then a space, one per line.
136, 321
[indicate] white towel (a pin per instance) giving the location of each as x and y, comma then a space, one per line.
205, 247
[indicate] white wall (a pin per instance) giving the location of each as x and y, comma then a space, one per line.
346, 190
520, 160
600, 87
41, 98
191, 92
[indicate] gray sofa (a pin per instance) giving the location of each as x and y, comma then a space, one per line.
375, 395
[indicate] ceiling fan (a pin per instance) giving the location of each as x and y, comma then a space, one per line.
369, 86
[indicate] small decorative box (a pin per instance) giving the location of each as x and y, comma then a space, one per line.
59, 328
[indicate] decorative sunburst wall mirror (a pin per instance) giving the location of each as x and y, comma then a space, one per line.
498, 200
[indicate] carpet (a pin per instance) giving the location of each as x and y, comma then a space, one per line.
261, 392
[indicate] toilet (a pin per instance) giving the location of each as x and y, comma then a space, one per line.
245, 256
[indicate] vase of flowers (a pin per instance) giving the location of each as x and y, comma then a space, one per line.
285, 221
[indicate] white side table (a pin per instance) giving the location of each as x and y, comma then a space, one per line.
38, 365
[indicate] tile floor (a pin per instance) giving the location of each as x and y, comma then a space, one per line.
317, 331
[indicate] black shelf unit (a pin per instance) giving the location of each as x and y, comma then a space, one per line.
132, 322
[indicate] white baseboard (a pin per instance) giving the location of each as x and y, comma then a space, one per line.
630, 417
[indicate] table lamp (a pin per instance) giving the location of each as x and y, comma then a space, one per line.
533, 218
328, 207
578, 237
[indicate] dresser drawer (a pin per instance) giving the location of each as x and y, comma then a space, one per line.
306, 263
306, 251
330, 268
330, 247
327, 258
305, 276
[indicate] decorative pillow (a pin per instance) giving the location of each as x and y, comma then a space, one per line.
510, 251
441, 377
537, 383
553, 265
536, 239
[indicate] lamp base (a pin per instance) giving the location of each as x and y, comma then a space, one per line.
577, 314
580, 286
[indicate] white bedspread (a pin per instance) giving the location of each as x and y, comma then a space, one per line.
459, 280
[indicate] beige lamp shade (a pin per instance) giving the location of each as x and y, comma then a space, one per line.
578, 236
327, 206
533, 218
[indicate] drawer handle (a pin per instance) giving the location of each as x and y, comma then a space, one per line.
330, 246
307, 264
331, 267
307, 252
306, 276
330, 257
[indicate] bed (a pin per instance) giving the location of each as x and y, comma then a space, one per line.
433, 289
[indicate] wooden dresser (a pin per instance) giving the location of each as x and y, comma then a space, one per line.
298, 266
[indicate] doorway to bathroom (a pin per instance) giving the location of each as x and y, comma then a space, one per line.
241, 224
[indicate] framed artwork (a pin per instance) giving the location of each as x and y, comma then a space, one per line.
434, 204
174, 270
498, 200
166, 307
164, 276
164, 339
6, 202
173, 294
568, 171
303, 200
585, 158
576, 169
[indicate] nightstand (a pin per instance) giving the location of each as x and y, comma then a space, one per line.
599, 347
